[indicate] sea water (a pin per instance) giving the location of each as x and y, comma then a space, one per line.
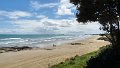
36, 40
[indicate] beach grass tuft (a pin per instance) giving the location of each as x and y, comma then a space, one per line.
76, 62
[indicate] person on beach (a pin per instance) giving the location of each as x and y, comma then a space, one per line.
54, 45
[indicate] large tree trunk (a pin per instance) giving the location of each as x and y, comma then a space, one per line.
118, 35
115, 35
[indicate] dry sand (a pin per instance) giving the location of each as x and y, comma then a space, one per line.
43, 58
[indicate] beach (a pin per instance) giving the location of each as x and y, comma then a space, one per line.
46, 57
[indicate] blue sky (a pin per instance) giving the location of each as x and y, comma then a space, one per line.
40, 17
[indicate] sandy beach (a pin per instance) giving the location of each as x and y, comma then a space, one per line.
43, 58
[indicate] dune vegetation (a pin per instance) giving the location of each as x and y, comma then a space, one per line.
76, 62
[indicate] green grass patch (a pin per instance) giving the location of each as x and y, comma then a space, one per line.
76, 62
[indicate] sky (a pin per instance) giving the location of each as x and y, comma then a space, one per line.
41, 17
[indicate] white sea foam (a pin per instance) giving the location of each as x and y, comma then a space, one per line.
37, 41
10, 39
15, 38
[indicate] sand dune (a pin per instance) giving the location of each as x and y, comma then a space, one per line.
43, 58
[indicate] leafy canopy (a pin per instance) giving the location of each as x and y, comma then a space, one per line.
106, 12
97, 10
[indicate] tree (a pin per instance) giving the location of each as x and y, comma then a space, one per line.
106, 12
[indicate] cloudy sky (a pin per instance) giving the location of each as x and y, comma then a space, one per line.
39, 17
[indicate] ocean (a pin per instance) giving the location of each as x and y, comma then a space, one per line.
36, 40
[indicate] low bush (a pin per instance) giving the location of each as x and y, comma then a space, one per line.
108, 57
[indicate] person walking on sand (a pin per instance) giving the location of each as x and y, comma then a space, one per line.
54, 45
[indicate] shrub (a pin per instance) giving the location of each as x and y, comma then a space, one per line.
107, 58
71, 62
72, 58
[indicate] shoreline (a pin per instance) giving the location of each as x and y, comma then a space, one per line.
46, 47
38, 42
43, 58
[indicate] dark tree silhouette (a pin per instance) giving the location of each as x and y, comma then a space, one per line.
106, 12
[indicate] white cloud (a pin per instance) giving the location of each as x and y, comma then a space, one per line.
41, 23
6, 31
36, 5
65, 8
44, 25
41, 16
15, 14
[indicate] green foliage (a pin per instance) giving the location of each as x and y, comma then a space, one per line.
97, 10
75, 62
106, 12
105, 57
108, 57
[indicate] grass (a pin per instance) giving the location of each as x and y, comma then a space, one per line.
76, 62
